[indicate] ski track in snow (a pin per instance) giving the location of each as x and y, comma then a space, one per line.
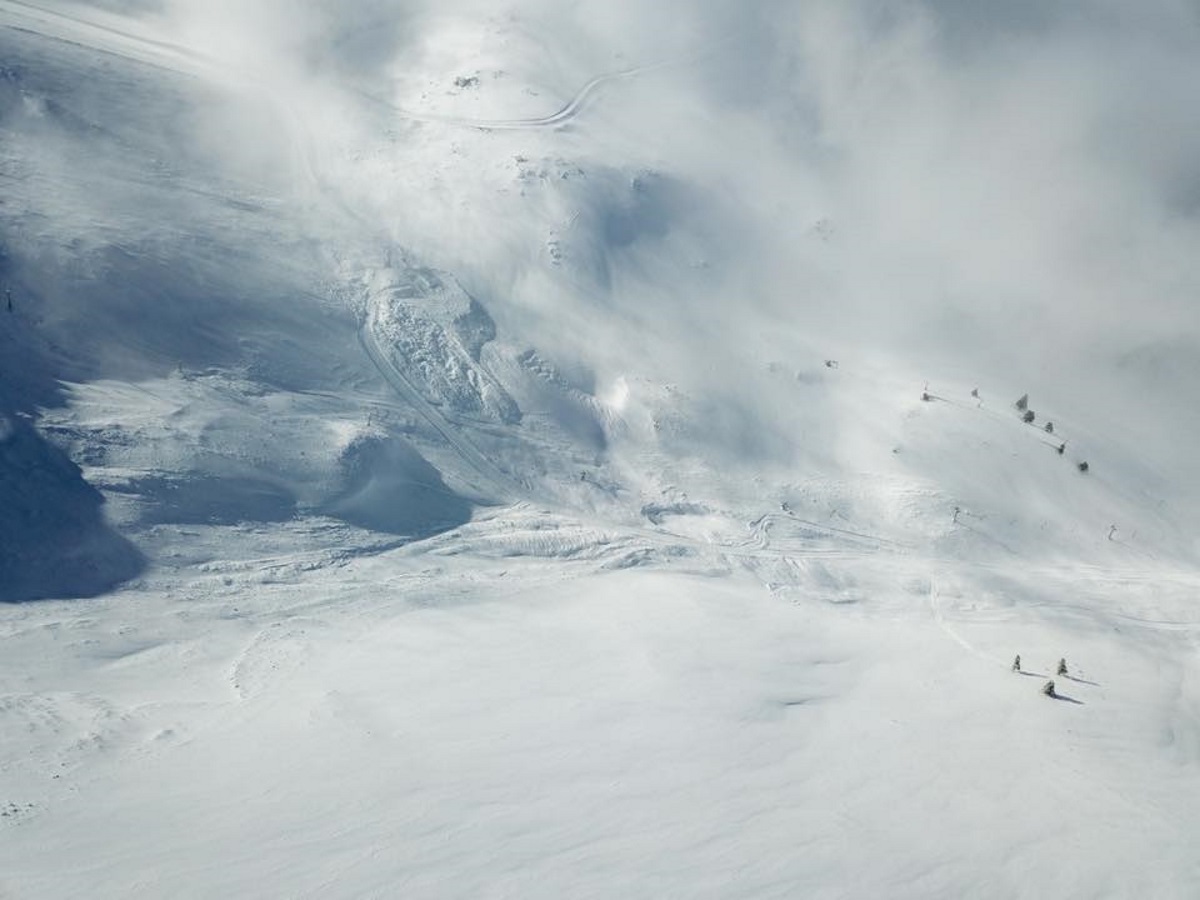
174, 57
493, 484
563, 116
936, 609
93, 35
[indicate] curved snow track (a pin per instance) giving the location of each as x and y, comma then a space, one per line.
563, 116
109, 38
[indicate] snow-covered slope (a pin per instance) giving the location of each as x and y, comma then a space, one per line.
520, 451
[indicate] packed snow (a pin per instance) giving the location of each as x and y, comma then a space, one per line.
573, 450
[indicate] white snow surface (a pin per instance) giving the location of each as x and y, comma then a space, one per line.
504, 450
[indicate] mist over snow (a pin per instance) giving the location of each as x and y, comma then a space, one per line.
567, 449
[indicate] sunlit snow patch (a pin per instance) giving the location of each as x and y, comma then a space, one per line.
430, 333
615, 397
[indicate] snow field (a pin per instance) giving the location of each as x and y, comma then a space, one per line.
652, 731
503, 435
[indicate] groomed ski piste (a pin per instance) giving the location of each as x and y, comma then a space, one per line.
472, 450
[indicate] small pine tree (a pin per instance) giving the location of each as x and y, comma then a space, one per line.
1062, 667
1049, 428
1083, 466
1023, 403
1048, 689
1028, 417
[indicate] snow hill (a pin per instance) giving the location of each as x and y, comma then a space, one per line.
451, 451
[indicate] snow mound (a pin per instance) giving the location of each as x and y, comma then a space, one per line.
390, 487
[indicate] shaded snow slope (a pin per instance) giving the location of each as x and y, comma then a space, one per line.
325, 287
56, 540
537, 451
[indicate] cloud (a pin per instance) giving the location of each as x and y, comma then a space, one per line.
1023, 164
1012, 186
1005, 191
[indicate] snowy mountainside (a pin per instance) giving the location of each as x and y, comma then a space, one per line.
455, 450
